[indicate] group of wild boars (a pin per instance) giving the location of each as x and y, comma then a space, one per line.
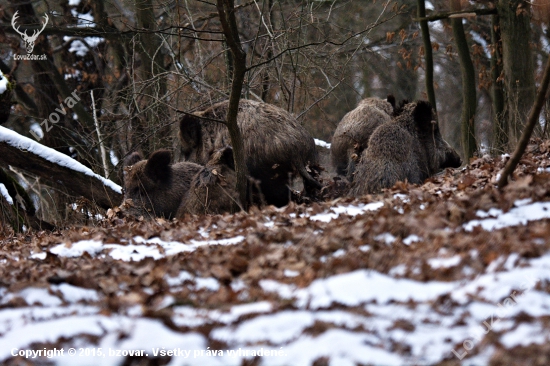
407, 147
375, 145
354, 130
277, 147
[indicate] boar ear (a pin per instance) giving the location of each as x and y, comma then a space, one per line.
132, 159
158, 165
227, 157
391, 99
399, 108
423, 116
190, 130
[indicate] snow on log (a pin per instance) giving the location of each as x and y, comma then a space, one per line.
4, 192
57, 168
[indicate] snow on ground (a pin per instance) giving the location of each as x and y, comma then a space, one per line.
520, 215
14, 139
350, 210
436, 263
362, 316
360, 330
154, 248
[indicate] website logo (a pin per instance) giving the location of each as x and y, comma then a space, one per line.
29, 40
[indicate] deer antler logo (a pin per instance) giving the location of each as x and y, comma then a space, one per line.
29, 40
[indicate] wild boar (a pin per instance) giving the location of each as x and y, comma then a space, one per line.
277, 147
213, 188
409, 148
155, 187
354, 130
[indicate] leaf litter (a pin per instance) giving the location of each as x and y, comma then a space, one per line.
404, 277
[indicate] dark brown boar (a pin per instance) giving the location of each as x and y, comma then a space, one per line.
409, 148
354, 130
277, 147
155, 187
213, 188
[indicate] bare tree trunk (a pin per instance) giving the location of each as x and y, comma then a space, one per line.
500, 125
269, 55
152, 64
469, 98
519, 79
526, 135
226, 9
110, 102
428, 56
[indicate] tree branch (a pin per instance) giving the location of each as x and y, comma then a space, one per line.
428, 55
455, 14
526, 135
226, 9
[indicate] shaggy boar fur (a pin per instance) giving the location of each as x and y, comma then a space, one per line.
213, 188
409, 148
276, 145
354, 130
155, 187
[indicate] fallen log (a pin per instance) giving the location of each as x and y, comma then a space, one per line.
57, 169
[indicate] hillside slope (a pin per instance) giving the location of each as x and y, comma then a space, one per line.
452, 272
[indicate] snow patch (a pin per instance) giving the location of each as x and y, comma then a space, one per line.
322, 143
343, 289
386, 238
526, 334
436, 263
137, 252
516, 216
364, 248
290, 273
4, 192
92, 247
351, 210
188, 316
411, 239
74, 294
210, 284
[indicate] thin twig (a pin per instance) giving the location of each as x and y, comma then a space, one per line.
100, 141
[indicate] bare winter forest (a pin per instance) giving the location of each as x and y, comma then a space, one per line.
265, 182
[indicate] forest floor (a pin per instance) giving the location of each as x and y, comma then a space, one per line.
453, 272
